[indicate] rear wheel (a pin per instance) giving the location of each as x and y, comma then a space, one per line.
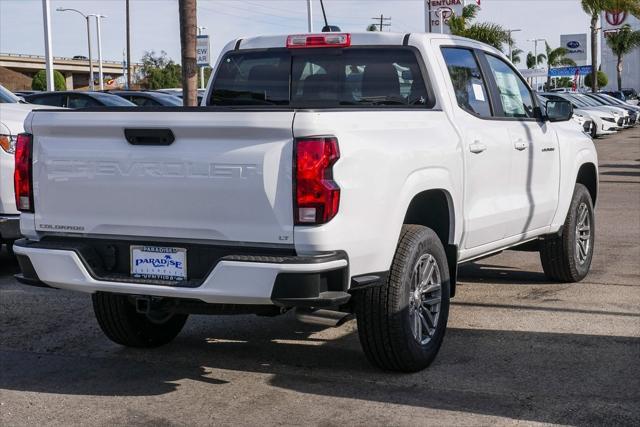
122, 324
567, 257
401, 324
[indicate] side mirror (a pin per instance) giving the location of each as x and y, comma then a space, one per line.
559, 111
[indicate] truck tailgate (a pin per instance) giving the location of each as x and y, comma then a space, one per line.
226, 177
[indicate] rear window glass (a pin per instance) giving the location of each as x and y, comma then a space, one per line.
331, 78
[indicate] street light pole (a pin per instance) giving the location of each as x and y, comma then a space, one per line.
200, 30
310, 16
100, 75
86, 17
438, 13
511, 43
535, 56
128, 47
46, 15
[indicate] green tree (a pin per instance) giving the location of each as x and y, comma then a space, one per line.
515, 56
621, 44
564, 82
372, 27
555, 58
492, 34
594, 8
533, 61
159, 71
603, 80
39, 81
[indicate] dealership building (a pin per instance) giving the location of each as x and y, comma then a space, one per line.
611, 22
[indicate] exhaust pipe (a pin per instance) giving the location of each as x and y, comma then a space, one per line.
322, 317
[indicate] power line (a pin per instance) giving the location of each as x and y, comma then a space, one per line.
383, 22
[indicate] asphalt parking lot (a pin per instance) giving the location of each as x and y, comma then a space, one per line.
518, 350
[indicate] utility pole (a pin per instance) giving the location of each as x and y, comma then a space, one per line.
128, 47
46, 15
309, 16
188, 25
383, 22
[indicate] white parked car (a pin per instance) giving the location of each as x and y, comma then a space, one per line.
622, 115
331, 174
605, 122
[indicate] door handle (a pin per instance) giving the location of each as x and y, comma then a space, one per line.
520, 145
477, 147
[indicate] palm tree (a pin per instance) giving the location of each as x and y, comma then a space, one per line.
533, 61
515, 56
594, 8
492, 34
188, 23
555, 58
621, 44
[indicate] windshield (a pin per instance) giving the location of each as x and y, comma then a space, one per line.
321, 78
611, 99
7, 97
588, 100
170, 100
112, 100
574, 100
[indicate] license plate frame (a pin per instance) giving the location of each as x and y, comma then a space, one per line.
158, 262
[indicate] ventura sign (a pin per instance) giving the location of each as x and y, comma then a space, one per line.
441, 11
576, 45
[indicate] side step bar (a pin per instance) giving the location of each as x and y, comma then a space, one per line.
322, 317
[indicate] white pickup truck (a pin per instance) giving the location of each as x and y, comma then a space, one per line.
333, 174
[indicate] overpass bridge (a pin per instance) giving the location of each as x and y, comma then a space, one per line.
75, 71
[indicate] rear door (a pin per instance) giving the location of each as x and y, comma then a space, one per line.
225, 177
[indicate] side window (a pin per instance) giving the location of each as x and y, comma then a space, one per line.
81, 101
55, 100
515, 96
468, 83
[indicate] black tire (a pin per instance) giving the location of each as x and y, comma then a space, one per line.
118, 319
561, 259
594, 131
384, 313
9, 244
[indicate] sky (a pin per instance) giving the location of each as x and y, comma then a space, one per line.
155, 26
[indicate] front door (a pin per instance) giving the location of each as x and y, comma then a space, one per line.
534, 175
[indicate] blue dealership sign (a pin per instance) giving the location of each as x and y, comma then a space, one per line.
569, 71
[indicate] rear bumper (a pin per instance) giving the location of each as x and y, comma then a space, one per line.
286, 281
9, 227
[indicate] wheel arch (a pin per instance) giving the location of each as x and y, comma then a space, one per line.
434, 208
588, 176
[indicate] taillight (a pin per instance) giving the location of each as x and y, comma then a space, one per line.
22, 177
318, 40
317, 196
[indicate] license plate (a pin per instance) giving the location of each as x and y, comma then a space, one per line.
154, 262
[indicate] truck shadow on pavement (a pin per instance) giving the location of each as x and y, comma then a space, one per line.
547, 377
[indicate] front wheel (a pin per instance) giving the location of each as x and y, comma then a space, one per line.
122, 324
567, 257
401, 324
